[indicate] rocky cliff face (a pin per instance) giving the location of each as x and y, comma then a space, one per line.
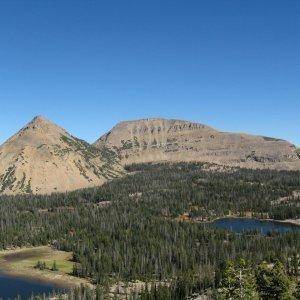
43, 158
153, 140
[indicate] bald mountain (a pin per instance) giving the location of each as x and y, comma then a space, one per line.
155, 140
43, 158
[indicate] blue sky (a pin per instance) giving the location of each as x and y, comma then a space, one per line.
86, 65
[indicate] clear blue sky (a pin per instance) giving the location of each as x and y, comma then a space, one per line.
86, 65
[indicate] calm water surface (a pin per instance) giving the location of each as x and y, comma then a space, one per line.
240, 225
10, 287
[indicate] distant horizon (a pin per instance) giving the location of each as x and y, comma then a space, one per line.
87, 65
141, 119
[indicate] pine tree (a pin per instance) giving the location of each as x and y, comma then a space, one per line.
272, 281
238, 281
54, 266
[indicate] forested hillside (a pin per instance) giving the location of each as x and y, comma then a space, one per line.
152, 224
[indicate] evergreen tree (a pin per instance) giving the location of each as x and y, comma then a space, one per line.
272, 281
238, 281
54, 266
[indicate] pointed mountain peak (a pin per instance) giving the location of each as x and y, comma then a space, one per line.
44, 158
38, 119
42, 123
38, 130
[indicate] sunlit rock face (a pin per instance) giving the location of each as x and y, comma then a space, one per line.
155, 140
43, 158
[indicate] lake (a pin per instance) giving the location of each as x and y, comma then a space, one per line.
240, 225
10, 287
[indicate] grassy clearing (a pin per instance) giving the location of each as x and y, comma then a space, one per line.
28, 258
22, 262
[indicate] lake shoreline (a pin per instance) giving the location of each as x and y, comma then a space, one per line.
14, 269
57, 283
12, 287
252, 225
295, 222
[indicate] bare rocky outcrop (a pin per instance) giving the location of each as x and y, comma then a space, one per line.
155, 140
44, 158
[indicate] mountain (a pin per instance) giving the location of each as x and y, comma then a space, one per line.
43, 158
154, 140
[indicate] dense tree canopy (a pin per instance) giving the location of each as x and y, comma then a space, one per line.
132, 227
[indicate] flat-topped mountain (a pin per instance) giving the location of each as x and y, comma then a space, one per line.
154, 140
43, 158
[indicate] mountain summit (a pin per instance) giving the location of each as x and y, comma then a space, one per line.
154, 140
44, 158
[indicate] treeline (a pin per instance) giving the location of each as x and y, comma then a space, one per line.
128, 229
